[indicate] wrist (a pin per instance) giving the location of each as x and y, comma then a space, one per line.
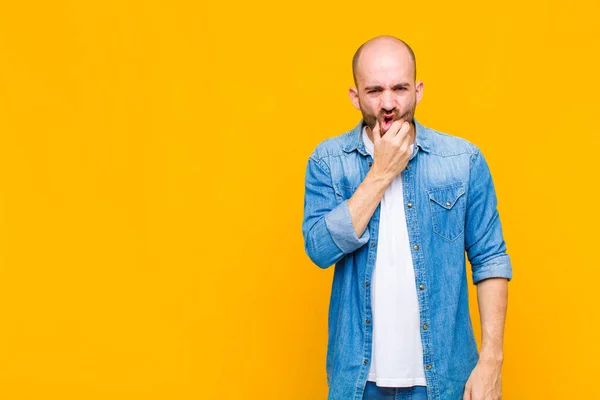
495, 357
379, 177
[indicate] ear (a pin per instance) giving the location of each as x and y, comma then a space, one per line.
419, 90
353, 92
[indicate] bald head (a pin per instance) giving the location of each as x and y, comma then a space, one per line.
381, 45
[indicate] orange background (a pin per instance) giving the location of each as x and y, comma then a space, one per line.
152, 180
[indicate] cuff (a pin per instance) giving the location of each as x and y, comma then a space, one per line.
339, 223
499, 267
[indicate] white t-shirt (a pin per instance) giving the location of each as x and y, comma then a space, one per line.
397, 356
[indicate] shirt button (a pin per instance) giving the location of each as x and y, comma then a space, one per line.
448, 203
372, 244
424, 326
421, 287
370, 163
367, 283
368, 321
409, 205
428, 366
366, 361
416, 247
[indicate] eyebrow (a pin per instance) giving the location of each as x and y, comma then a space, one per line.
396, 86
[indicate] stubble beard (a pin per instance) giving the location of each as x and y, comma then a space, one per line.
370, 120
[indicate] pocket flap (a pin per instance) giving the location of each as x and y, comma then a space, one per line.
447, 196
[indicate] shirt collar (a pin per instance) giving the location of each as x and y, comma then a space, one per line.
355, 141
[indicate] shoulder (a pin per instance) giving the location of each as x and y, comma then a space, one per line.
448, 144
333, 146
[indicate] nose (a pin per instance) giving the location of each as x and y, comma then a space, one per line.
387, 100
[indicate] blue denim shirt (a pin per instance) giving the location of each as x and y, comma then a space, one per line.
450, 206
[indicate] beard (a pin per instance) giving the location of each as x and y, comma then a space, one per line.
371, 119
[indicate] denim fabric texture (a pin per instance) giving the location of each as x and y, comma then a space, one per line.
374, 392
451, 215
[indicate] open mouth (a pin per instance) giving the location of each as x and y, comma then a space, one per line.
387, 122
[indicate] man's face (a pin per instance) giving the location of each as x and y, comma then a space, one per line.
386, 88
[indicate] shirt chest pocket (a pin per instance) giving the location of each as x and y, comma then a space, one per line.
448, 206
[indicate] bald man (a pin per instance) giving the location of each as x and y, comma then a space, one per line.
395, 205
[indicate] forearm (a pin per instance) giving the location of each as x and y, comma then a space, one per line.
492, 297
365, 199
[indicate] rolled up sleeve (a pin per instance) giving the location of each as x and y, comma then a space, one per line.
339, 223
327, 226
484, 241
